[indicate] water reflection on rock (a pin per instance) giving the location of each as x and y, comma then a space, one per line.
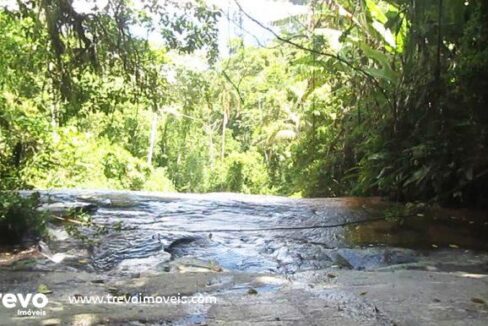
250, 233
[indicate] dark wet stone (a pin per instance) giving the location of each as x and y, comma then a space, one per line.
340, 261
179, 244
121, 247
252, 291
67, 208
98, 281
478, 301
370, 258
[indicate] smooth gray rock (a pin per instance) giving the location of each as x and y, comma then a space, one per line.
370, 258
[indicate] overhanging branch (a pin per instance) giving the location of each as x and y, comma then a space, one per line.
326, 54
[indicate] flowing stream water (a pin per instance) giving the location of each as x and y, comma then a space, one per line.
149, 232
267, 259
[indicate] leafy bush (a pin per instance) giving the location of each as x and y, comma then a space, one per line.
19, 217
246, 172
81, 160
158, 181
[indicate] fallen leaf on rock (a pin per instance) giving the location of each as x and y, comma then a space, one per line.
478, 300
43, 289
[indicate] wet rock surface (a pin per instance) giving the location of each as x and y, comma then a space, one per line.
241, 233
64, 208
372, 258
269, 260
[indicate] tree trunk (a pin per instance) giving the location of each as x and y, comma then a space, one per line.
224, 124
152, 137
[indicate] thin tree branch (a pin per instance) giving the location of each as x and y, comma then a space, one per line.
233, 85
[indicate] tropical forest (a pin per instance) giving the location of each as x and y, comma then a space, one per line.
285, 99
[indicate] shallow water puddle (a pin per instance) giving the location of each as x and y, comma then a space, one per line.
439, 230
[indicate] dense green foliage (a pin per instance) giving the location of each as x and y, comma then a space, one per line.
19, 217
357, 97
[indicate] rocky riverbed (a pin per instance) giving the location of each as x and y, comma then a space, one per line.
267, 260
